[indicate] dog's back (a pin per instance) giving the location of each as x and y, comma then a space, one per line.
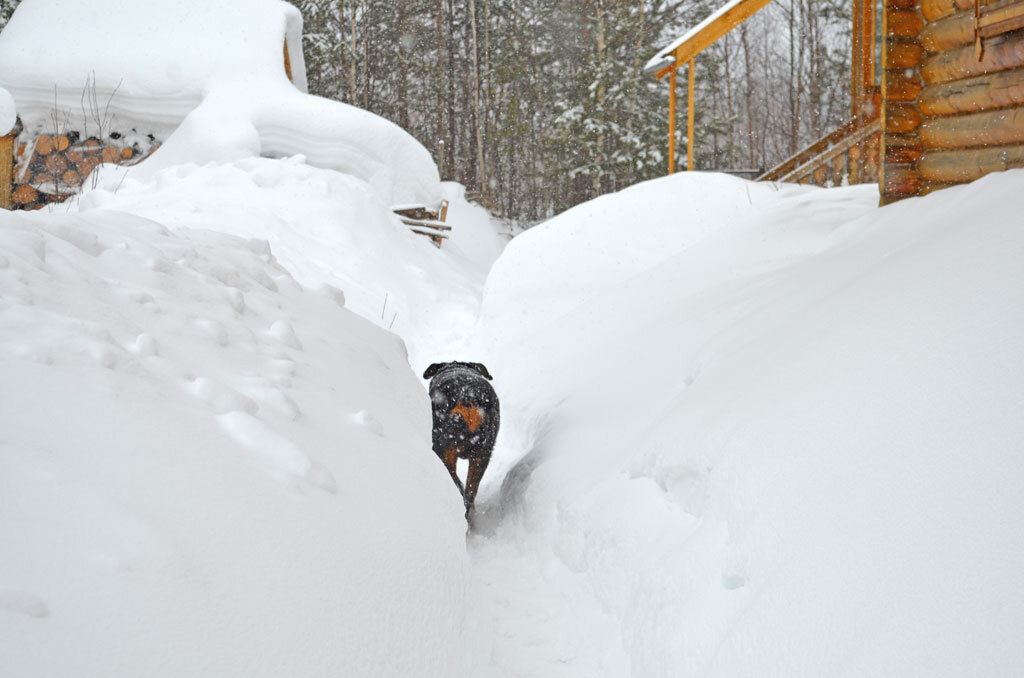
466, 412
466, 420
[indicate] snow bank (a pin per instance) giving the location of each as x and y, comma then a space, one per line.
206, 78
331, 228
209, 469
757, 429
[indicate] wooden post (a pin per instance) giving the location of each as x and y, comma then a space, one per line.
862, 58
902, 58
6, 171
672, 122
689, 121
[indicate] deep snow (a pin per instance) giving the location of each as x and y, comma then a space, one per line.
760, 430
748, 429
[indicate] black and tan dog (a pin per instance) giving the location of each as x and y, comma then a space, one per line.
466, 419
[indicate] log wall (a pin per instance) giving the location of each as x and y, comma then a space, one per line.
954, 107
51, 168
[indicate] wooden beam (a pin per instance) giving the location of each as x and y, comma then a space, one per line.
969, 164
672, 123
689, 120
6, 171
985, 128
706, 33
862, 56
994, 90
957, 64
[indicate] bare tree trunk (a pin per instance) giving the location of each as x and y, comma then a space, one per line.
439, 125
481, 179
352, 59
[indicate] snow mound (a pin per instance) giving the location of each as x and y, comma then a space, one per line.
209, 469
782, 431
332, 229
206, 78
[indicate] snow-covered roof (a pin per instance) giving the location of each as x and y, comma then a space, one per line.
8, 112
207, 78
743, 8
157, 56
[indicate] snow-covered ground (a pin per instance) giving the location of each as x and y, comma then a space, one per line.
758, 430
749, 429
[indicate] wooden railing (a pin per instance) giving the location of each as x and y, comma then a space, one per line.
849, 155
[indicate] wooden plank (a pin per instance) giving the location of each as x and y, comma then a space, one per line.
710, 30
958, 29
789, 165
960, 63
986, 128
7, 172
1001, 17
287, 61
427, 223
933, 10
969, 164
689, 119
861, 137
853, 164
992, 90
856, 57
429, 233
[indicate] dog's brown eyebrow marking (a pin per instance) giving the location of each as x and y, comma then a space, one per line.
470, 414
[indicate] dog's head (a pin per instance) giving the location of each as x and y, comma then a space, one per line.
437, 368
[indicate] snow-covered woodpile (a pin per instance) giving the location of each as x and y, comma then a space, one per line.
52, 167
954, 93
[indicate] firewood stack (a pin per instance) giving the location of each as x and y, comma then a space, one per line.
52, 168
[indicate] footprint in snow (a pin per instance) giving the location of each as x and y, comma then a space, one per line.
282, 455
26, 604
369, 422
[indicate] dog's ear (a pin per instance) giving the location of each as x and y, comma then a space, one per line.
433, 369
482, 370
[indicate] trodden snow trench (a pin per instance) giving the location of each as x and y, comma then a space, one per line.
529, 613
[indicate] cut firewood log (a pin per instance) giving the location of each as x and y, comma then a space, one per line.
56, 163
127, 153
41, 178
92, 143
25, 194
61, 142
111, 154
44, 144
87, 165
71, 178
74, 155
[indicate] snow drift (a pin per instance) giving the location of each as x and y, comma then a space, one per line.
207, 468
760, 429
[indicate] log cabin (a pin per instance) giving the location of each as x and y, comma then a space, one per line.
947, 108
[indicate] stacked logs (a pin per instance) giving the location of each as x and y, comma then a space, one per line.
955, 104
53, 167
